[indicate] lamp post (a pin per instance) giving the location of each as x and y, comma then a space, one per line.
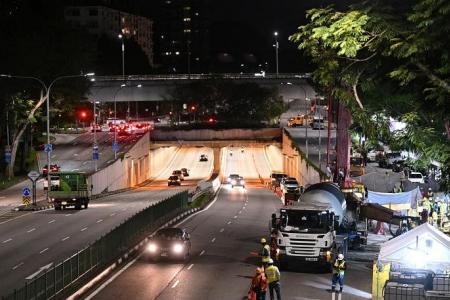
276, 51
121, 37
47, 96
115, 145
95, 146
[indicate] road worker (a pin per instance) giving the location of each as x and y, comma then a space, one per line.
273, 279
339, 268
265, 252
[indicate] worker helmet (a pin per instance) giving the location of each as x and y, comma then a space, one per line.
263, 241
270, 262
429, 189
340, 256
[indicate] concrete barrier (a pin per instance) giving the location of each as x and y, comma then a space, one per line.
210, 134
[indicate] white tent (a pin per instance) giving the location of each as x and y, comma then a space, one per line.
424, 247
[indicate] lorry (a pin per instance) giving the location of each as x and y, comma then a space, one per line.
323, 223
73, 190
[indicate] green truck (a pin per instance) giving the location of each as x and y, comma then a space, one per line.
73, 190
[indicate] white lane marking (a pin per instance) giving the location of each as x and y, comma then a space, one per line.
46, 267
244, 207
99, 221
6, 241
16, 266
201, 253
221, 230
106, 283
66, 238
84, 229
52, 221
42, 251
190, 267
67, 215
31, 230
213, 240
175, 284
240, 212
112, 215
235, 217
229, 222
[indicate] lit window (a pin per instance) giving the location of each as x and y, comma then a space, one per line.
177, 53
197, 58
187, 30
196, 13
162, 36
187, 19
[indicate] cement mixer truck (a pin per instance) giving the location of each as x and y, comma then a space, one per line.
306, 230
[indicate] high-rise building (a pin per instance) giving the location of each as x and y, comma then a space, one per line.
103, 20
182, 36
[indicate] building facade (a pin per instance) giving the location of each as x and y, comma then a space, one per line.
100, 20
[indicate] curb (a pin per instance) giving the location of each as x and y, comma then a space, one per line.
88, 286
33, 208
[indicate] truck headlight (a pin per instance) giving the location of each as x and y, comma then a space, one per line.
152, 247
242, 182
177, 248
233, 182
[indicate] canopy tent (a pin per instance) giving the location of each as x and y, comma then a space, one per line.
424, 247
404, 200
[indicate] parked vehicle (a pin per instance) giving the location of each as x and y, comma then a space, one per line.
276, 178
297, 121
357, 167
172, 243
318, 122
73, 190
389, 159
398, 166
173, 180
289, 185
203, 157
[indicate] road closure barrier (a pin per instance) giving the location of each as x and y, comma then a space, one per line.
57, 280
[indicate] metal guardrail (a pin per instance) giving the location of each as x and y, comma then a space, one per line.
204, 76
102, 252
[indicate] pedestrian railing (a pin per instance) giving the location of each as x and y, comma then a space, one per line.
95, 257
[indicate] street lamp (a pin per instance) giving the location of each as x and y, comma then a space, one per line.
47, 96
276, 50
115, 145
121, 37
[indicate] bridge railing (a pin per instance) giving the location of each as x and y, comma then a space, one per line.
56, 280
253, 76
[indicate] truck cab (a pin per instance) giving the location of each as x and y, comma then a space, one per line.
305, 233
297, 121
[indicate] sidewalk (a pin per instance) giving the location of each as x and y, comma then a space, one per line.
12, 196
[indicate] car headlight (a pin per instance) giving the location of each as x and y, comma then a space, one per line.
242, 182
233, 182
228, 179
152, 247
177, 248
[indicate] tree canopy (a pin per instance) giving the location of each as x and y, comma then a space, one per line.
387, 59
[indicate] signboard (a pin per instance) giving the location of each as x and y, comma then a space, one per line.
26, 200
26, 192
115, 146
48, 148
95, 154
33, 175
7, 156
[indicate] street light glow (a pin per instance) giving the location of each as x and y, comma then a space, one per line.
275, 33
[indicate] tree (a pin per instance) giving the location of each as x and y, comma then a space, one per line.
388, 59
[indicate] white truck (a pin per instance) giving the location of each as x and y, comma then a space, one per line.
306, 231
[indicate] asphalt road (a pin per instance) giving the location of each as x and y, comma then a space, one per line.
224, 242
251, 163
76, 154
33, 240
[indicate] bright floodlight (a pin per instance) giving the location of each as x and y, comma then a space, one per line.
275, 33
139, 85
120, 36
90, 74
123, 85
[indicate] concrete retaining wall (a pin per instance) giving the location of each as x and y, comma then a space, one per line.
210, 134
160, 159
295, 166
125, 172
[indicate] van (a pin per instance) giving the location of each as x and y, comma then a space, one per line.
296, 121
318, 123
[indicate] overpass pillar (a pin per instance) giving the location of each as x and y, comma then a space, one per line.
217, 159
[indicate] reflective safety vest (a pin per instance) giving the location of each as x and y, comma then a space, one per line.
272, 274
427, 205
265, 253
339, 267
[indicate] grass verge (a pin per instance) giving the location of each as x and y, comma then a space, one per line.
6, 183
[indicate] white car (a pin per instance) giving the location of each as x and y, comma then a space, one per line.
416, 177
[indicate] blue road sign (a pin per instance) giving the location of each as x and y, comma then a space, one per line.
26, 192
8, 156
48, 148
95, 156
115, 146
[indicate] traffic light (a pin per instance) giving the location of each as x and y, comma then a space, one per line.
193, 107
83, 114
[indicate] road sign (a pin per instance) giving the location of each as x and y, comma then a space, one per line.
95, 154
7, 156
48, 148
26, 192
26, 200
115, 146
33, 175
